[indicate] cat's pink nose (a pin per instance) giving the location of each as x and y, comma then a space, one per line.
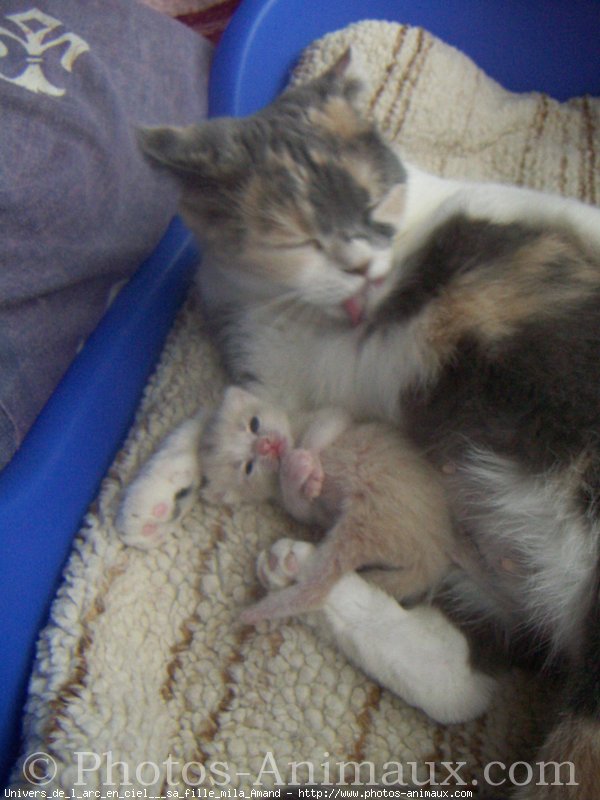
270, 446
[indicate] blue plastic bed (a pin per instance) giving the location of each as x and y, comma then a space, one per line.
546, 45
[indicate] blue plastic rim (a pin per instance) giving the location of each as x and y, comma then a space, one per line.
526, 45
545, 45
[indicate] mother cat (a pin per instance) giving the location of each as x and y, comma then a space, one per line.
467, 314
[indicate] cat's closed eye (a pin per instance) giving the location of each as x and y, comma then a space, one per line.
315, 244
254, 425
248, 467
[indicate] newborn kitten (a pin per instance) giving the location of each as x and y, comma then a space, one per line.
382, 504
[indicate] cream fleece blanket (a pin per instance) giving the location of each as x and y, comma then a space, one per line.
144, 661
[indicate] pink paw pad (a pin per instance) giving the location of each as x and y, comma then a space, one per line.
314, 484
291, 564
160, 510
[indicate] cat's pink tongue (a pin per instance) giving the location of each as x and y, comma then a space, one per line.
354, 308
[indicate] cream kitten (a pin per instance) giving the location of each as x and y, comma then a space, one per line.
382, 504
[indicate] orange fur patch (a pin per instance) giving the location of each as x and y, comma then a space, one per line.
572, 758
491, 303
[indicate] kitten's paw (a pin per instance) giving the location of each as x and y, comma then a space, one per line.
280, 565
303, 473
151, 506
161, 494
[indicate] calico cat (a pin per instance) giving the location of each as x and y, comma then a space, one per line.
383, 506
466, 314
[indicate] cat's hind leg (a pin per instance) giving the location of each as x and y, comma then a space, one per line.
280, 569
164, 489
280, 565
312, 570
417, 654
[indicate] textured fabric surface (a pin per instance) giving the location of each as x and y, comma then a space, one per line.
144, 659
80, 207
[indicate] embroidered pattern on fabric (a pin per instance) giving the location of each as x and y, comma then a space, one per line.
38, 35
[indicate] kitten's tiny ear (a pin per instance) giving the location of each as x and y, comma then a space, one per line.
236, 396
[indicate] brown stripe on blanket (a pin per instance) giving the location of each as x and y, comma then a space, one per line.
364, 719
534, 134
175, 665
410, 81
392, 64
589, 142
77, 680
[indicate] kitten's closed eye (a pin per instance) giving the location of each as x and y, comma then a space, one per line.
254, 425
248, 467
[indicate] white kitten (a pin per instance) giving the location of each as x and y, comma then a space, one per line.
382, 504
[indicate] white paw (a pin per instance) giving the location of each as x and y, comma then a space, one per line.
163, 491
151, 505
280, 565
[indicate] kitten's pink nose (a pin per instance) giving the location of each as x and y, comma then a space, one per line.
270, 446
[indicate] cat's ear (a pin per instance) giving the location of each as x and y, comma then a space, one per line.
236, 397
349, 76
206, 150
392, 206
351, 66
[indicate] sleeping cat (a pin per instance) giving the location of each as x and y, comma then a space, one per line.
382, 504
468, 315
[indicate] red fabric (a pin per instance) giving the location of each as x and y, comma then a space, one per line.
212, 21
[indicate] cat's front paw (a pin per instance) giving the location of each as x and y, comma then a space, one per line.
280, 565
303, 473
163, 491
161, 494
